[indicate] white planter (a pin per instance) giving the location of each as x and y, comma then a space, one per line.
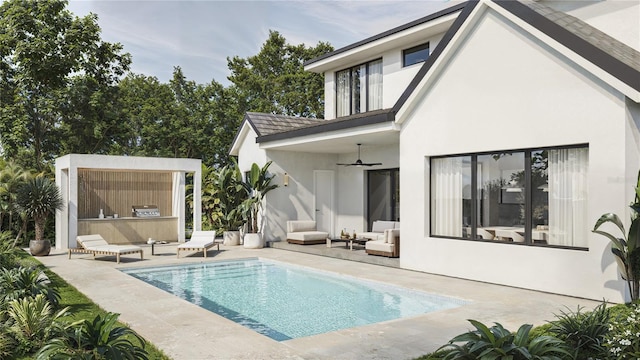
253, 241
231, 238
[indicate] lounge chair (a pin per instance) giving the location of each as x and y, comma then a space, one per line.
200, 241
304, 232
96, 245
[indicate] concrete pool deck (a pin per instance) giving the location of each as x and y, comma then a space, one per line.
185, 331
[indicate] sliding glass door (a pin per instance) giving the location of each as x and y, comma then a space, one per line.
383, 198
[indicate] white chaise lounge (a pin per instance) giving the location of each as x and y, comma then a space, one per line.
200, 241
97, 245
303, 232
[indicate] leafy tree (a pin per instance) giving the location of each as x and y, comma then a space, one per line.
42, 48
274, 80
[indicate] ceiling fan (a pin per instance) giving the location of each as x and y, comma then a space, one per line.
359, 162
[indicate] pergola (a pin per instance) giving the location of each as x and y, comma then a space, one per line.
99, 192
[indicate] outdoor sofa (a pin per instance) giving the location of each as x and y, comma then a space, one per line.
378, 228
303, 232
388, 246
95, 244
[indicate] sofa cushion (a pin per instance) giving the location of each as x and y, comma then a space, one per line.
379, 245
380, 226
307, 235
390, 235
300, 225
397, 225
371, 235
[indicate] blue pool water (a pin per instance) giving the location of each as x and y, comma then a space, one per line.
284, 301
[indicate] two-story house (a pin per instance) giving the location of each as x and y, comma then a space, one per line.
500, 130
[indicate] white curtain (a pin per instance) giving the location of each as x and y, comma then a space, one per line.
375, 85
568, 197
343, 93
446, 196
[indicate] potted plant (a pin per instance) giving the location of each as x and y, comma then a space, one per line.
626, 248
38, 198
258, 184
230, 193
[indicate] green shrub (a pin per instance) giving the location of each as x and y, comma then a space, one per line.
584, 332
19, 283
499, 343
623, 339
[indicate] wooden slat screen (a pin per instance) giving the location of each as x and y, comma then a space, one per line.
116, 191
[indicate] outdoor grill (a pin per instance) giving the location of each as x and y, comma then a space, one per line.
145, 211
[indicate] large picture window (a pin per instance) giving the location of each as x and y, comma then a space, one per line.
533, 197
359, 89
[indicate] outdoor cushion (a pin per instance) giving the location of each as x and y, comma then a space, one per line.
300, 226
380, 226
379, 245
390, 235
95, 244
200, 241
307, 235
372, 235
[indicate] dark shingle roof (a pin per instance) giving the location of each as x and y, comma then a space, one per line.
320, 126
267, 124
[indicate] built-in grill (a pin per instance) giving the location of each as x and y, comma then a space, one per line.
145, 210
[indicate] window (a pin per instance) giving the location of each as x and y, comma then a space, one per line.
532, 197
415, 55
359, 89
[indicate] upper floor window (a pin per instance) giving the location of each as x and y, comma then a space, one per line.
532, 197
415, 54
359, 89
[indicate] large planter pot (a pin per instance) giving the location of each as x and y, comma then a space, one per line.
253, 241
231, 238
39, 247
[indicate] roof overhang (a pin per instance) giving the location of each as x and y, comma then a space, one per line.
338, 141
403, 36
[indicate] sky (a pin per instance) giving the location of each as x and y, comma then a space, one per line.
198, 36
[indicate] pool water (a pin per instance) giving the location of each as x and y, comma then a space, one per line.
284, 301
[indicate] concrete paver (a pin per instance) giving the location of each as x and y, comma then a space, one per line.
185, 331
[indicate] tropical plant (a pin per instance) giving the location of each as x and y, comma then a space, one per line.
101, 338
7, 250
19, 283
38, 198
626, 249
33, 321
231, 193
623, 339
12, 176
584, 332
258, 184
499, 343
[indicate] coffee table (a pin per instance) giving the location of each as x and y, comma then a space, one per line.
348, 243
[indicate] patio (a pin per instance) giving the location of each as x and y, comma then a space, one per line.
185, 331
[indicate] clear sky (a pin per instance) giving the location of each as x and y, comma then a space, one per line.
198, 36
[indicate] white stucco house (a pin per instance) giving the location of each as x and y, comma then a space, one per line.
504, 128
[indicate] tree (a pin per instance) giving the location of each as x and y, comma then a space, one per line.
274, 80
42, 47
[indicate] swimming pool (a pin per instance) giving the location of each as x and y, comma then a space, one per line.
285, 301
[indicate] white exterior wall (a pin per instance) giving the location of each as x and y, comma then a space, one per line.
296, 201
505, 90
249, 152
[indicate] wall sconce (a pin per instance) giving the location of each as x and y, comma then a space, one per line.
285, 179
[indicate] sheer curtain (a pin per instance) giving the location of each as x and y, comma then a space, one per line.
375, 85
568, 197
343, 93
446, 196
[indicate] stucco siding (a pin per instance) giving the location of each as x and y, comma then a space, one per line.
504, 90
